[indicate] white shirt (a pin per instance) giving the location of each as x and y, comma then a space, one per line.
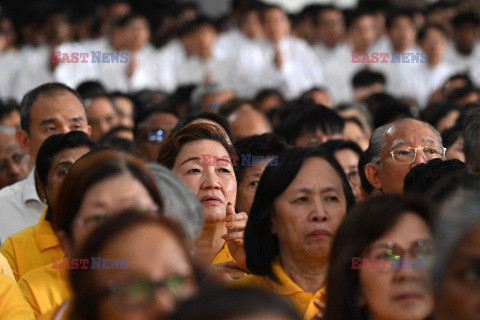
169, 58
74, 73
255, 69
20, 206
399, 76
427, 79
460, 62
34, 70
195, 71
9, 64
339, 73
326, 54
227, 44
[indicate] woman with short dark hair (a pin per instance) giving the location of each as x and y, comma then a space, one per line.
379, 262
297, 209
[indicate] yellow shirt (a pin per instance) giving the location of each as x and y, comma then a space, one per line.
32, 248
5, 267
60, 313
45, 288
12, 304
223, 256
302, 300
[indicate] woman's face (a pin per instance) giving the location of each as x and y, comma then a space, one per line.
152, 254
459, 296
205, 167
403, 293
348, 160
113, 194
309, 211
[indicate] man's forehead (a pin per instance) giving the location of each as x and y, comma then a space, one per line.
410, 131
63, 103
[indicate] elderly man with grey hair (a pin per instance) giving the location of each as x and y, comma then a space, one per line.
397, 147
456, 271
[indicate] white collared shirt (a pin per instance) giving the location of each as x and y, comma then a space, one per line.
20, 205
255, 69
195, 71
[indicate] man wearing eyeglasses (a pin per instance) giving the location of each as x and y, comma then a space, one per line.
397, 147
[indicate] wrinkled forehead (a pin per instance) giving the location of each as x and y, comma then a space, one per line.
411, 133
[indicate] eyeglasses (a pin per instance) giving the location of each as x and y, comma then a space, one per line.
354, 178
407, 155
155, 136
140, 292
393, 254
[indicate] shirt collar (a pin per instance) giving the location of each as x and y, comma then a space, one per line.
45, 238
286, 285
29, 189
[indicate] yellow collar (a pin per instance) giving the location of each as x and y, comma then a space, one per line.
45, 238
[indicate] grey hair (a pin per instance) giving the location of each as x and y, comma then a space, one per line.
378, 139
454, 225
179, 202
7, 130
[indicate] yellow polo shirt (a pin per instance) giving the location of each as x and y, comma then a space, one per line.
302, 300
60, 313
5, 267
32, 248
12, 304
45, 288
223, 256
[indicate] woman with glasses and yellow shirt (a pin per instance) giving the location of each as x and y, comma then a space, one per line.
380, 260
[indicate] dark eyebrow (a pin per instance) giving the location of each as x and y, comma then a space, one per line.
191, 159
77, 119
308, 190
63, 163
47, 121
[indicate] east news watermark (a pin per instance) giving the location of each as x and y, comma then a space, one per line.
92, 263
389, 57
244, 160
89, 57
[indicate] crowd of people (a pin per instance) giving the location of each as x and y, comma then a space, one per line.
264, 165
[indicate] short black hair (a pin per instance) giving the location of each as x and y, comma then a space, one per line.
53, 145
267, 144
423, 31
471, 146
234, 302
466, 18
308, 118
450, 135
6, 108
261, 246
154, 109
333, 146
390, 112
423, 176
459, 93
111, 141
351, 16
366, 78
407, 13
366, 223
323, 8
89, 89
445, 189
435, 111
31, 96
205, 115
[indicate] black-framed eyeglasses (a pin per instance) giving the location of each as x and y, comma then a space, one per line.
140, 292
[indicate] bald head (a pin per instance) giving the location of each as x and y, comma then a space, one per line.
246, 122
